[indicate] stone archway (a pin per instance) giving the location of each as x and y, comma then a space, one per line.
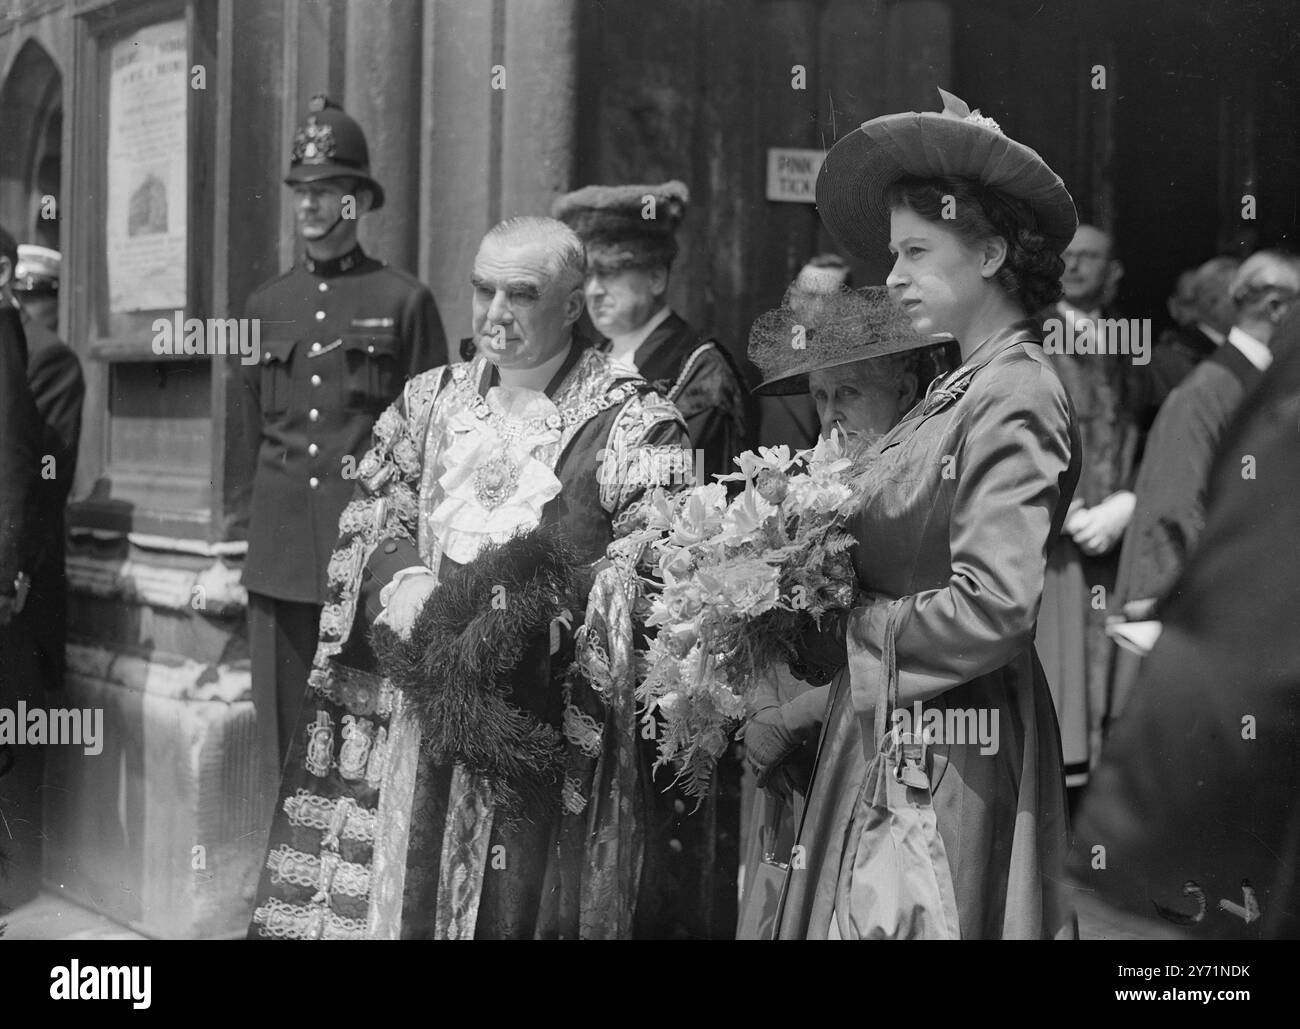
31, 126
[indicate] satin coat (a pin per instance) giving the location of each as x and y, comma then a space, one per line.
970, 492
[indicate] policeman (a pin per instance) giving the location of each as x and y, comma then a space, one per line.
341, 332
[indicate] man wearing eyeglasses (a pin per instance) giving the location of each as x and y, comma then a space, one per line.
1106, 389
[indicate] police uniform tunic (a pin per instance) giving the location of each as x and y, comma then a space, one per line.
339, 339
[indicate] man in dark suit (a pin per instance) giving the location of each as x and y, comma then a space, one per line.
341, 333
791, 419
58, 390
1191, 817
1182, 348
19, 442
1171, 485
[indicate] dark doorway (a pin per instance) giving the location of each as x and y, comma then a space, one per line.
31, 160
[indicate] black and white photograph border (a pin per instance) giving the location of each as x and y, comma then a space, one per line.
610, 469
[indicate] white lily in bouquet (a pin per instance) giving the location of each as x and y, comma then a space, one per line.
732, 585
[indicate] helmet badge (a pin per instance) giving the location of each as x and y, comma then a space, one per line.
313, 143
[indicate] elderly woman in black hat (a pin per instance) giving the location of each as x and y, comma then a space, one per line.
968, 492
865, 366
854, 351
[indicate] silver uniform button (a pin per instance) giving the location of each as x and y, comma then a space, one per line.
320, 316
370, 349
313, 482
315, 380
313, 414
324, 287
315, 349
312, 449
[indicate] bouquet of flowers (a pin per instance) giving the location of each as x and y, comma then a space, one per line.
731, 585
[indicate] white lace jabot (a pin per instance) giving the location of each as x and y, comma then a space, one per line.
499, 471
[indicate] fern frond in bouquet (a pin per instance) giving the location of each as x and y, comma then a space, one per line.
731, 586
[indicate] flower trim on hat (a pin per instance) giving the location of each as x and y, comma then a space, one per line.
956, 107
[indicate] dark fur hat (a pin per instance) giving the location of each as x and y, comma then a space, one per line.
626, 226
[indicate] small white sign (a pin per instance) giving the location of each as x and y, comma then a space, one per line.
792, 174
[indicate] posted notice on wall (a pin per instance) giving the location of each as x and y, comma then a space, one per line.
792, 174
147, 174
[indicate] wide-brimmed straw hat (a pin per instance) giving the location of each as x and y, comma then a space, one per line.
813, 330
954, 143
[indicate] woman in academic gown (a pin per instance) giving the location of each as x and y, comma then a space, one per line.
969, 492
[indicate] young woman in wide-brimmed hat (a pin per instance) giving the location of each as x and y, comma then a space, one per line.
969, 492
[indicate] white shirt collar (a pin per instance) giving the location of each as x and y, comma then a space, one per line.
534, 378
1215, 335
1256, 352
623, 348
1065, 307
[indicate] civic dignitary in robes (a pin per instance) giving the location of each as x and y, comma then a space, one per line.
1107, 391
481, 788
630, 236
692, 859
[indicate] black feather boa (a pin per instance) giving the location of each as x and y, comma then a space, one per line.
455, 667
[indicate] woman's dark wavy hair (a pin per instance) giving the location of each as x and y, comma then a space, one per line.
1031, 272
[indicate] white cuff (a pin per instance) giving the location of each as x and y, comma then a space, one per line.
386, 594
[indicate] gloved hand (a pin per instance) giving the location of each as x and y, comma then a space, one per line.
820, 653
775, 733
767, 743
406, 603
794, 774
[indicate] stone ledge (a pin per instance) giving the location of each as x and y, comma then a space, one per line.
214, 590
163, 831
162, 674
